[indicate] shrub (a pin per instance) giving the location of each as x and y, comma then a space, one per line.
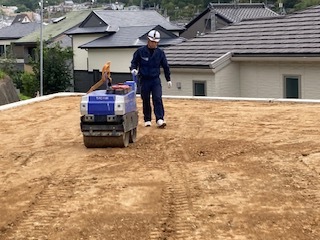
29, 83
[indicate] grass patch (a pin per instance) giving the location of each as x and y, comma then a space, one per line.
2, 75
23, 97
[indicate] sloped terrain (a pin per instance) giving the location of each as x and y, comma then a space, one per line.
8, 93
220, 170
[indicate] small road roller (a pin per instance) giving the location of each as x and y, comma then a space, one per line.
109, 118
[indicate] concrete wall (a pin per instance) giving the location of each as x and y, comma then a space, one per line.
8, 93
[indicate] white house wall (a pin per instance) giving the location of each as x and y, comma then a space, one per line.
227, 81
5, 42
120, 59
185, 78
81, 55
310, 82
260, 80
265, 79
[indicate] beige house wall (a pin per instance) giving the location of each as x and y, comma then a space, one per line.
266, 79
227, 81
80, 58
5, 42
310, 82
120, 59
185, 77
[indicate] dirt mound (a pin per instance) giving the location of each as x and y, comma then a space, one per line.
8, 93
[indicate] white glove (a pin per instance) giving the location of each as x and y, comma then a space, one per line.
169, 84
134, 72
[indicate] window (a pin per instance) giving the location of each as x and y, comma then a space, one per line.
291, 87
31, 53
199, 88
2, 52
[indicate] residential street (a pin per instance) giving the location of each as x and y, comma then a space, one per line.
220, 170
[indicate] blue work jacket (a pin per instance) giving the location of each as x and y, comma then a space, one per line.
148, 64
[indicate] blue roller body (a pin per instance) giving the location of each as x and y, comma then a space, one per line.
102, 103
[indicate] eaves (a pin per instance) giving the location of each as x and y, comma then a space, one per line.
189, 66
6, 38
25, 43
294, 57
111, 47
118, 47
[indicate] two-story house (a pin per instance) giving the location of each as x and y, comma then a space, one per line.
114, 35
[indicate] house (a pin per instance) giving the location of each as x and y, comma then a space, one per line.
23, 18
219, 15
13, 33
23, 47
114, 35
267, 58
67, 6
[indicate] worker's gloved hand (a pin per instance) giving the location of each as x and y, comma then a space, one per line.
134, 72
169, 84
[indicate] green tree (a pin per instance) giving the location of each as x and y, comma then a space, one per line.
300, 5
29, 83
8, 65
57, 68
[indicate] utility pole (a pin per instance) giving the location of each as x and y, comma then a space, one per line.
41, 49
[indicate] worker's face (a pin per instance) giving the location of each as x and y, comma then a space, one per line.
152, 44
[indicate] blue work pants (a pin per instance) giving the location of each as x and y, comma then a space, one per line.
153, 87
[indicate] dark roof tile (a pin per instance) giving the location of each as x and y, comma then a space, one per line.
132, 37
238, 12
127, 18
18, 30
298, 33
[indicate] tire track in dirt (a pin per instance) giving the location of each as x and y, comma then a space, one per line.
42, 213
177, 220
50, 208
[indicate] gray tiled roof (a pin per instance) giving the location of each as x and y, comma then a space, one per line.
132, 37
294, 34
18, 30
238, 12
53, 30
232, 13
124, 18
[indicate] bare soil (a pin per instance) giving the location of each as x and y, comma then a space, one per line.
220, 170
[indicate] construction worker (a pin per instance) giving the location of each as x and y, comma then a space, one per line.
146, 63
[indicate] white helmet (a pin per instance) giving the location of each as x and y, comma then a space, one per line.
154, 36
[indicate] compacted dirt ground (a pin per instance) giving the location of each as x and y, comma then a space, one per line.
220, 170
